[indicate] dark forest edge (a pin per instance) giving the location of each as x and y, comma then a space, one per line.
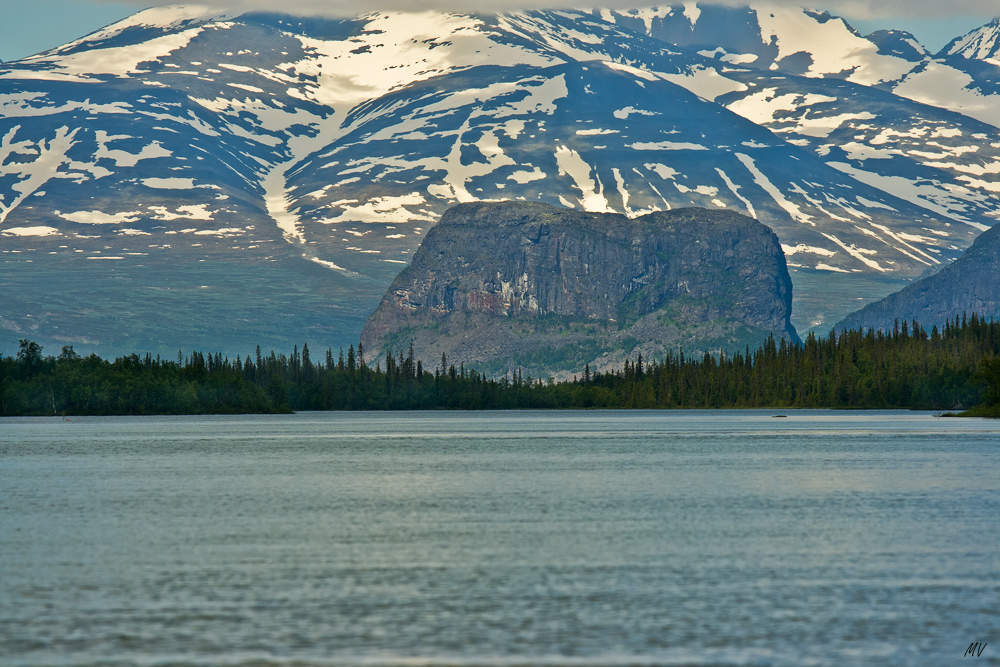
908, 367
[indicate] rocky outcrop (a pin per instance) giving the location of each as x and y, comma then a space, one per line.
970, 284
508, 285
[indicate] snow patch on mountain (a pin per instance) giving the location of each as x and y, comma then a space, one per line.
396, 48
666, 146
123, 158
99, 217
93, 66
735, 189
189, 212
760, 179
591, 189
46, 160
940, 85
926, 194
171, 183
36, 230
382, 209
831, 46
161, 19
707, 83
29, 105
767, 106
803, 248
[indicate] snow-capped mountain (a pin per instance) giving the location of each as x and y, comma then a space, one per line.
980, 44
772, 38
818, 45
281, 170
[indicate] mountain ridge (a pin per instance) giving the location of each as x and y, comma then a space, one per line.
340, 142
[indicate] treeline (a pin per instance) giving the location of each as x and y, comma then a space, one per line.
909, 367
31, 384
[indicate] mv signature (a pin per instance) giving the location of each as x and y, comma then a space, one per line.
975, 650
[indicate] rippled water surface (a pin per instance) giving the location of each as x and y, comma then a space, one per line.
517, 538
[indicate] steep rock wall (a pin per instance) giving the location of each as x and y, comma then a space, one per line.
508, 285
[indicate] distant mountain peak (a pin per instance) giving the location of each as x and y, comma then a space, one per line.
141, 27
980, 44
898, 43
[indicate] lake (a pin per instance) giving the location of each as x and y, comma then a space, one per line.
500, 538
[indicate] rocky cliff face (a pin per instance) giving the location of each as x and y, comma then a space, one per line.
513, 284
971, 284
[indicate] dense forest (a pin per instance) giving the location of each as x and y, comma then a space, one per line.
909, 367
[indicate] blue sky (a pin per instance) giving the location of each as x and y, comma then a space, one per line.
30, 26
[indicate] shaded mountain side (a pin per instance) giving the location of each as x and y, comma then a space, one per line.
159, 302
971, 284
509, 285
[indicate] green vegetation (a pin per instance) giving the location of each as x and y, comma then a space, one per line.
906, 368
989, 374
70, 384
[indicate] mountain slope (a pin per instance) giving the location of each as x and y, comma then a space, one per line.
416, 151
969, 285
816, 44
320, 152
